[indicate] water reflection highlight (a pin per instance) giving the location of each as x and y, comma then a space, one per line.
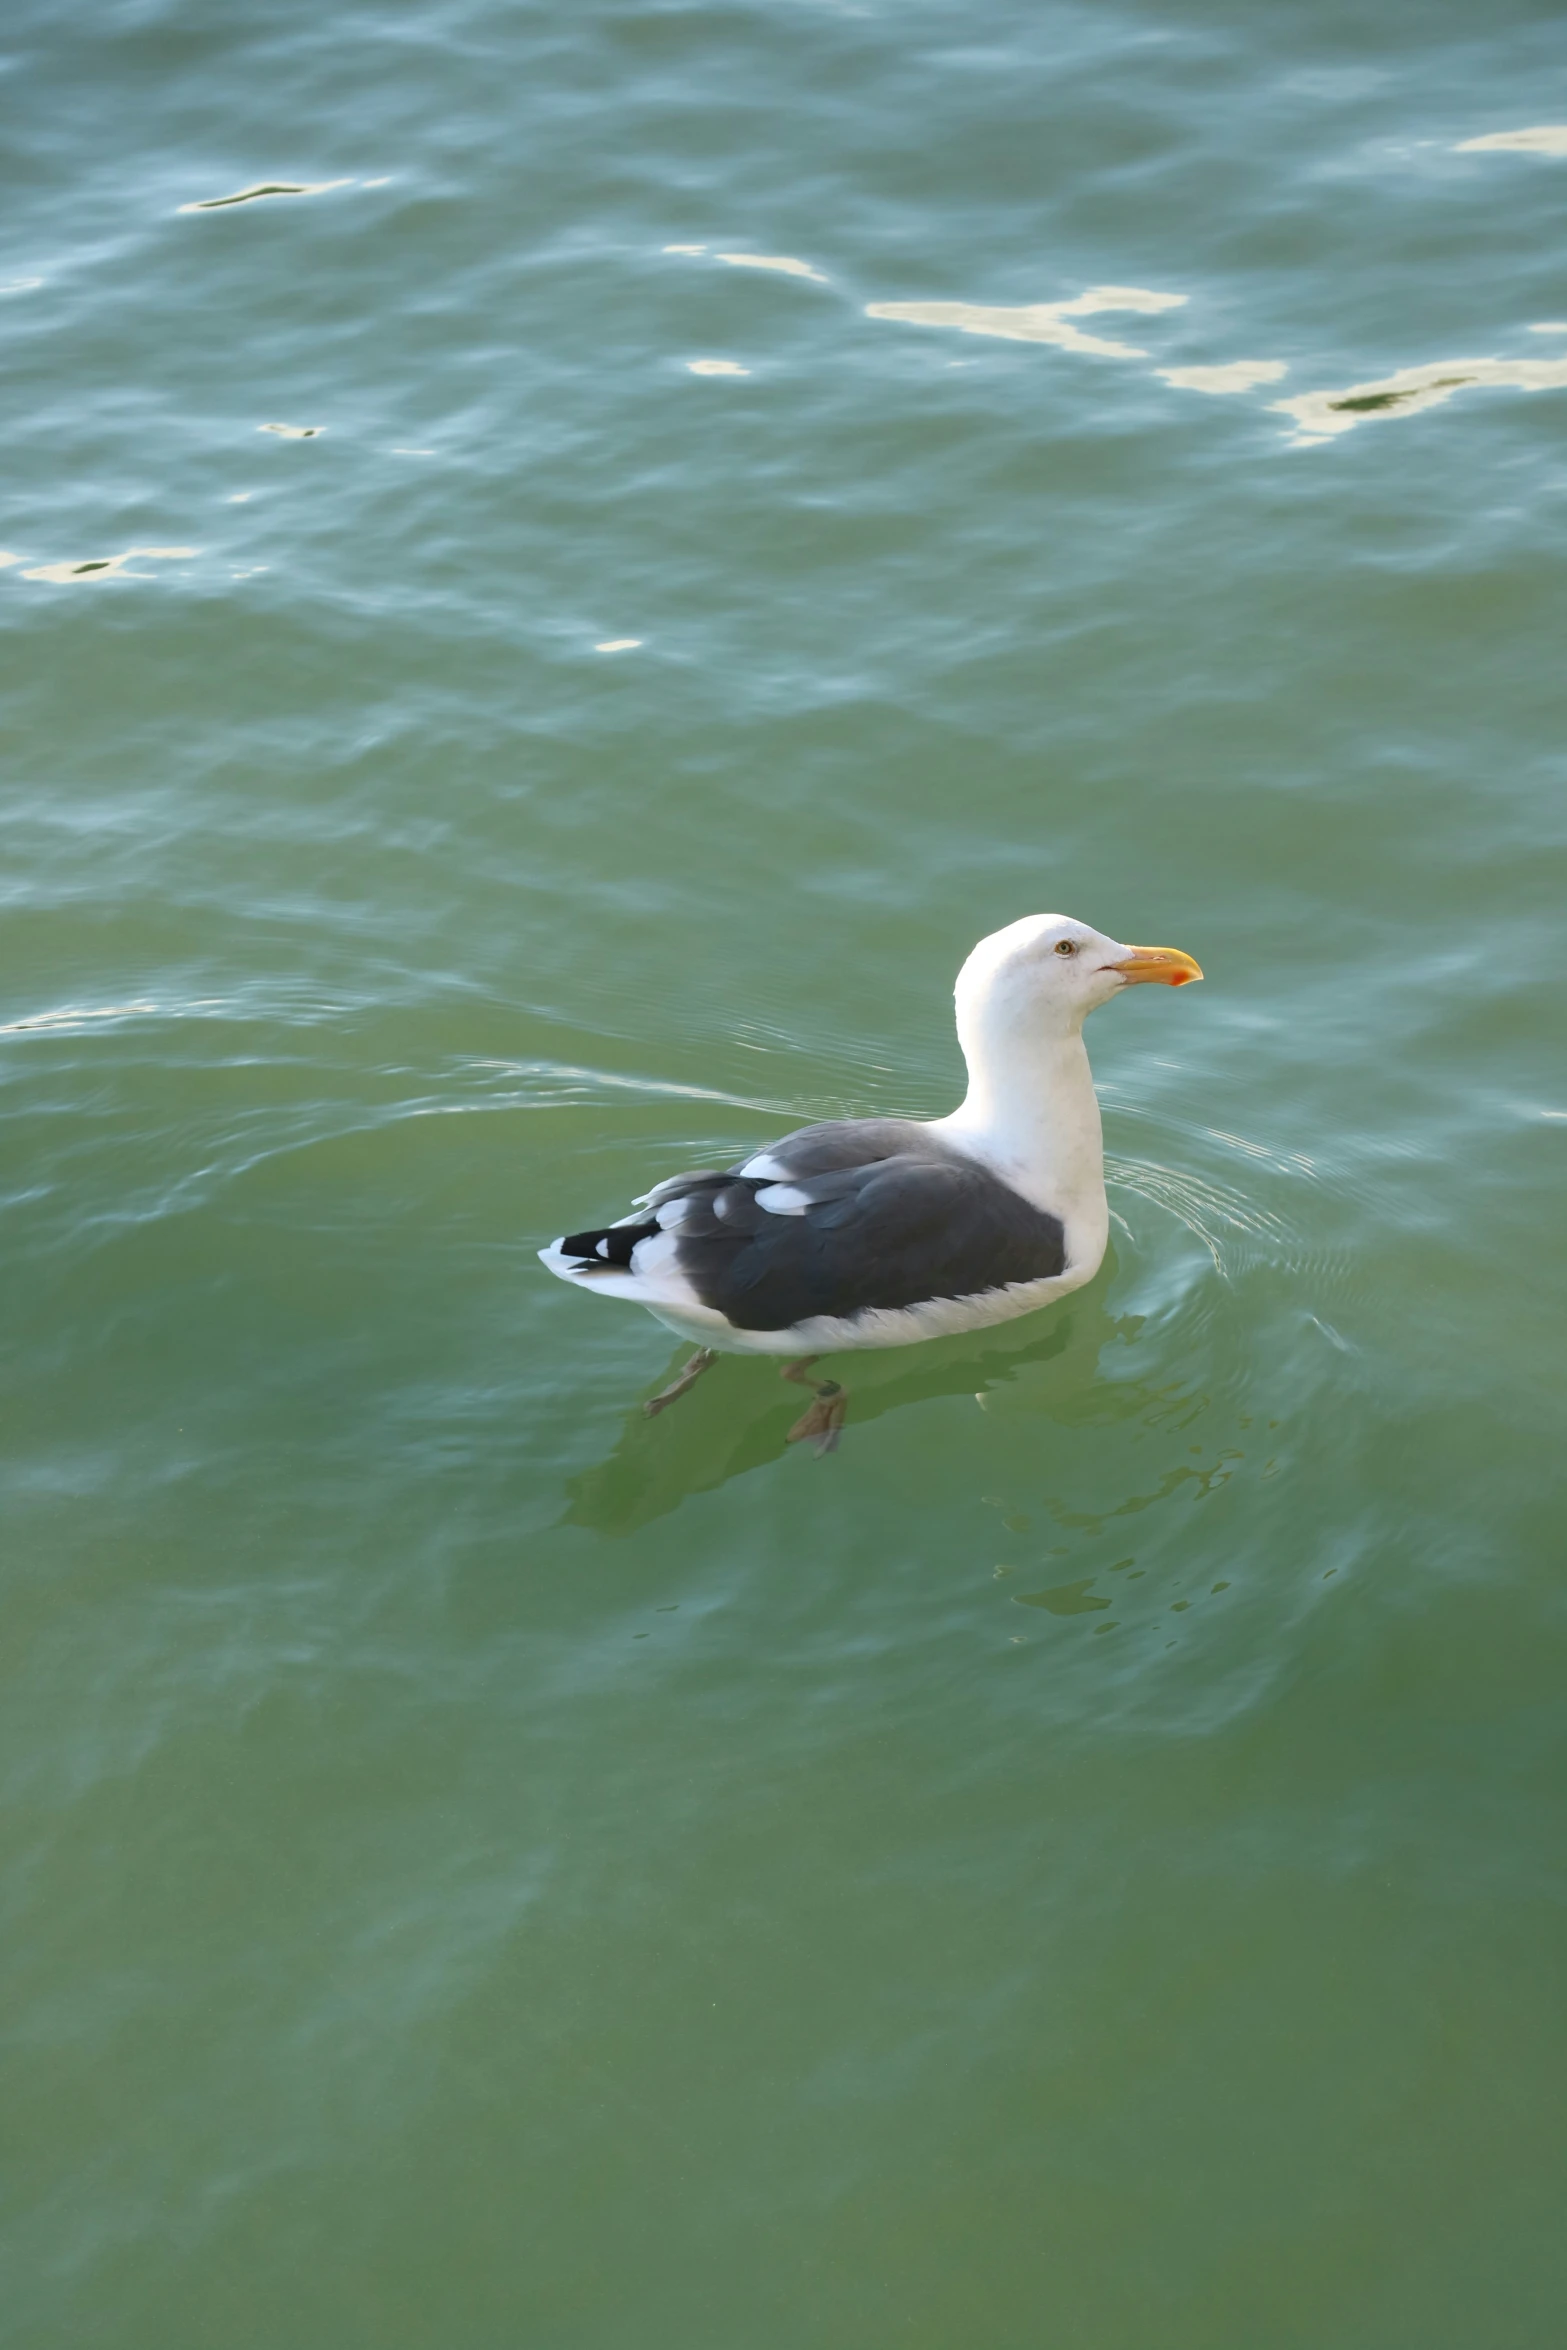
779, 261
1236, 375
112, 566
1036, 322
1322, 415
1546, 138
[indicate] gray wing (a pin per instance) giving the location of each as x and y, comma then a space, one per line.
849, 1217
842, 1142
811, 1150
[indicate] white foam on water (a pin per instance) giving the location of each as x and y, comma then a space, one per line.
619, 644
715, 367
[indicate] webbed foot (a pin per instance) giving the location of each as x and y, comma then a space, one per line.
703, 1360
822, 1425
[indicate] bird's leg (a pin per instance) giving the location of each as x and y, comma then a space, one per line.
822, 1425
688, 1375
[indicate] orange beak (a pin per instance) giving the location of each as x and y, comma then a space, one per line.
1166, 964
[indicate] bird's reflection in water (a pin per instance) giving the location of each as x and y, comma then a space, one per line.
739, 1419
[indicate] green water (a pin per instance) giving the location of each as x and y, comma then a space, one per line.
1079, 1869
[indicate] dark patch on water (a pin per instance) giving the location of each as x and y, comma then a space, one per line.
249, 196
1372, 403
1067, 1599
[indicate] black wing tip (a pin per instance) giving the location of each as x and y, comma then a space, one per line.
610, 1245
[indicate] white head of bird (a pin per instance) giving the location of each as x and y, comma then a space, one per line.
1022, 998
1047, 973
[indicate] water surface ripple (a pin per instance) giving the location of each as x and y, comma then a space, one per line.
561, 568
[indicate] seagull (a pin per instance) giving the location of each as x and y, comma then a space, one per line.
878, 1232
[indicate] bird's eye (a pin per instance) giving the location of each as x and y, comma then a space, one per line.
1066, 946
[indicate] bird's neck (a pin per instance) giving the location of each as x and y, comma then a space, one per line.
1031, 1113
